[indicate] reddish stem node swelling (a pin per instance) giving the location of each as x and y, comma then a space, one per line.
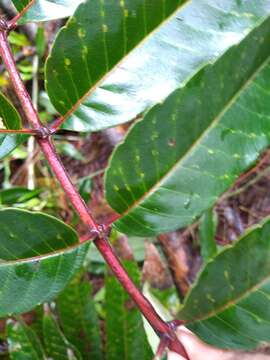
43, 136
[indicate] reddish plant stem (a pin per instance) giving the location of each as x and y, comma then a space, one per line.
20, 131
14, 22
163, 329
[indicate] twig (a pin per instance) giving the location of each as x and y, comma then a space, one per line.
44, 139
20, 131
12, 24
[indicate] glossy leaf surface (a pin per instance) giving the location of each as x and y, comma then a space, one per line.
11, 120
126, 338
232, 294
39, 255
45, 10
23, 344
197, 34
56, 344
191, 148
79, 319
90, 46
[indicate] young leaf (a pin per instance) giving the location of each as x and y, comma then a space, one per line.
23, 343
45, 10
207, 231
57, 346
11, 120
79, 319
126, 338
215, 128
196, 35
39, 255
229, 304
95, 40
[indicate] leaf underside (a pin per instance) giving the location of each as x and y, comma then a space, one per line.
187, 151
229, 304
197, 34
45, 10
38, 256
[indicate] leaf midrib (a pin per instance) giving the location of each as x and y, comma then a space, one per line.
207, 130
103, 78
58, 252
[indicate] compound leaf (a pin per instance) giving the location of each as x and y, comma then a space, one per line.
191, 148
38, 256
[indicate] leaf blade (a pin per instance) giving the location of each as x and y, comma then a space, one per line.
198, 34
123, 320
79, 319
46, 256
46, 10
181, 166
92, 44
11, 120
23, 344
234, 294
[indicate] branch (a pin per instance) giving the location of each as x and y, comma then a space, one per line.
20, 131
162, 328
13, 23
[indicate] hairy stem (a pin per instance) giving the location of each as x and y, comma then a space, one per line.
162, 328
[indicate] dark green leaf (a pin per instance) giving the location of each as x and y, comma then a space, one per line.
207, 231
126, 338
85, 188
57, 346
17, 195
89, 47
79, 319
11, 120
190, 149
23, 343
45, 10
229, 304
39, 255
196, 35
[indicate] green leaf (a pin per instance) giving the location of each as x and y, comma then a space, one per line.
56, 344
23, 343
207, 231
11, 120
126, 338
197, 34
79, 319
229, 304
90, 46
17, 195
191, 148
45, 10
38, 256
